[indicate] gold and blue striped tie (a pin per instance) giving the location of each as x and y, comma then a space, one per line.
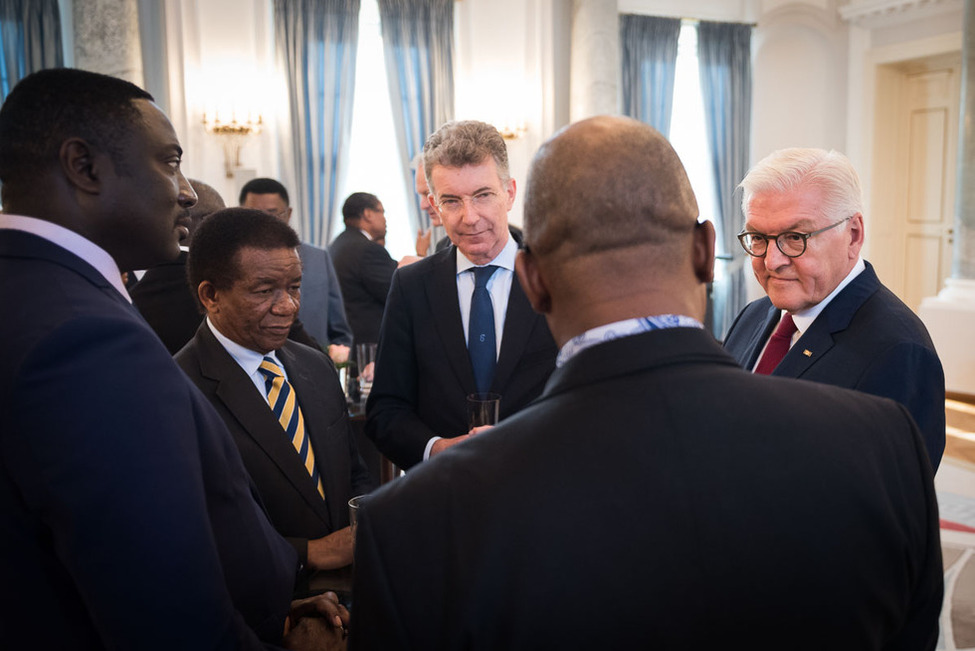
284, 404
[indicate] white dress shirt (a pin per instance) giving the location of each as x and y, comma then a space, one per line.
248, 359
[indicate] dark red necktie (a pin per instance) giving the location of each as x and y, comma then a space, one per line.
778, 345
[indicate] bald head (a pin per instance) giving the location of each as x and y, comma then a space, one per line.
208, 202
611, 229
606, 183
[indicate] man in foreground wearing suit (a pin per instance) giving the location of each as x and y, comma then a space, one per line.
245, 266
323, 314
655, 495
827, 318
128, 519
426, 367
163, 296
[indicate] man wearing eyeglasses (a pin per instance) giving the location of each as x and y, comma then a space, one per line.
827, 317
457, 322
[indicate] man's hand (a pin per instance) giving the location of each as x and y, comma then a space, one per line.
479, 430
407, 259
338, 353
423, 242
442, 444
331, 552
319, 623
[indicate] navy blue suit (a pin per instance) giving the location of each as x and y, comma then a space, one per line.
128, 519
424, 372
640, 503
322, 311
865, 339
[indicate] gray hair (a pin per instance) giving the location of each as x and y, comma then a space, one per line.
467, 142
786, 170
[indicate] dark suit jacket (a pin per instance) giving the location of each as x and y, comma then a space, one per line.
365, 271
322, 310
423, 370
128, 519
296, 509
165, 299
865, 339
649, 500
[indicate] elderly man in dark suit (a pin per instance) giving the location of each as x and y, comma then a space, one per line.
323, 311
281, 400
128, 519
457, 322
827, 317
656, 495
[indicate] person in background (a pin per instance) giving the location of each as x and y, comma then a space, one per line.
281, 400
323, 316
655, 496
163, 296
457, 322
364, 266
128, 519
827, 317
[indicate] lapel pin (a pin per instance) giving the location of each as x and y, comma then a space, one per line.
807, 352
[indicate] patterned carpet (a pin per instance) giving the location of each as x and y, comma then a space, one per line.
955, 483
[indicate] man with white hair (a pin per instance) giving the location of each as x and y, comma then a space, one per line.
827, 317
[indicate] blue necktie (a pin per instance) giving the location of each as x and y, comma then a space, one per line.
481, 342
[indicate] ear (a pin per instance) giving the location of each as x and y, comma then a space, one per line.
79, 164
511, 190
532, 282
209, 297
856, 235
703, 251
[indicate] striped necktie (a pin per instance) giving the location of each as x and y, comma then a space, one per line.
284, 404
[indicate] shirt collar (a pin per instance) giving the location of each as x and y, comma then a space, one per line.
505, 259
368, 236
249, 360
805, 318
621, 329
71, 241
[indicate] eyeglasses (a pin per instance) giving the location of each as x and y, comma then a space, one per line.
790, 243
453, 205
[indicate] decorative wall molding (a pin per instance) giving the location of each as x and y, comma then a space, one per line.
881, 13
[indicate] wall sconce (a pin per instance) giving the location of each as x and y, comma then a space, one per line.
509, 132
233, 134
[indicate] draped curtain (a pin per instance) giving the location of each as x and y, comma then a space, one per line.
418, 49
724, 56
648, 47
30, 40
316, 43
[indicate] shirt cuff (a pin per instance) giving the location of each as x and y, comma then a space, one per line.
426, 450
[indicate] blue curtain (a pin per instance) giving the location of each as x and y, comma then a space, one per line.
316, 40
648, 47
418, 48
724, 57
30, 40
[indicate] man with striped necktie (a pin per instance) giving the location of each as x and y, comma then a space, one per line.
280, 399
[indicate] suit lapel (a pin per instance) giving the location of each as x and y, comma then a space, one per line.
770, 318
836, 317
441, 290
236, 390
518, 325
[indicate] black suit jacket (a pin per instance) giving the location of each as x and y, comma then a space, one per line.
296, 509
365, 272
128, 519
165, 299
423, 370
658, 497
865, 339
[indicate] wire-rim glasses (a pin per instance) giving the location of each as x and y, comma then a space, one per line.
791, 243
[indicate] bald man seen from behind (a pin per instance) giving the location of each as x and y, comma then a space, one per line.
656, 495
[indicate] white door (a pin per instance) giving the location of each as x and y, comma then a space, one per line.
925, 177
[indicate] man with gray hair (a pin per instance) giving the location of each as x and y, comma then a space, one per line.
827, 317
457, 323
645, 500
